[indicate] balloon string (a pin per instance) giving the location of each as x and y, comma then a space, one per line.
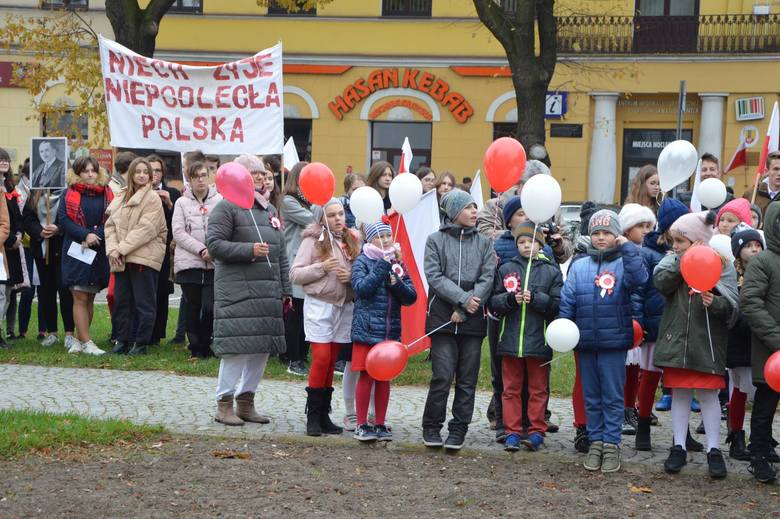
495, 219
530, 260
709, 334
427, 334
260, 236
559, 357
397, 226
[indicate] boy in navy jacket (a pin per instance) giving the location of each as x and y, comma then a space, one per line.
597, 297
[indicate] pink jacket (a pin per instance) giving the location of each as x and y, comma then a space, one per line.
190, 221
307, 270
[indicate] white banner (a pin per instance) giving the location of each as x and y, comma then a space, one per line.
228, 109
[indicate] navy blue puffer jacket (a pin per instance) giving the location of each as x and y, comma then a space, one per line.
651, 300
604, 321
377, 314
506, 249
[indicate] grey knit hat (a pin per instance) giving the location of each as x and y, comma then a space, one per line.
454, 202
318, 211
605, 220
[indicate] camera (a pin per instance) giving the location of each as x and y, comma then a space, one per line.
549, 229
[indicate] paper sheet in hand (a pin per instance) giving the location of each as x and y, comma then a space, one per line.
3, 273
85, 255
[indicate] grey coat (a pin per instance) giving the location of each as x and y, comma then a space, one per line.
296, 218
247, 292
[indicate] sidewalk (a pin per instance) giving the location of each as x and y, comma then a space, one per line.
186, 405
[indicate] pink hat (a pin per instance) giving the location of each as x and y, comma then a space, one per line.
740, 208
695, 226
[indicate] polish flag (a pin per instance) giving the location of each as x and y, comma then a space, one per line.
412, 231
739, 158
771, 141
406, 156
695, 203
476, 191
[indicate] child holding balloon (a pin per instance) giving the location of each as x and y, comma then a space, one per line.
323, 267
381, 287
602, 311
700, 291
522, 348
760, 298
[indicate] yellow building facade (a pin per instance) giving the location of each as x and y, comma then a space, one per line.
361, 75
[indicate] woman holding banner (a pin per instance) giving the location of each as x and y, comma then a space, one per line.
136, 234
251, 287
82, 217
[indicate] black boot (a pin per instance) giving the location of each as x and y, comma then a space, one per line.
121, 348
737, 448
581, 440
692, 445
313, 411
326, 425
137, 349
642, 441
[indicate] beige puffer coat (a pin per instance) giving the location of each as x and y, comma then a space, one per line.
137, 229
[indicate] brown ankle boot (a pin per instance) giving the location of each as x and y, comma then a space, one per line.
225, 412
245, 409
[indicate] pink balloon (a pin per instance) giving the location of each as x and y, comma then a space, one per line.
235, 184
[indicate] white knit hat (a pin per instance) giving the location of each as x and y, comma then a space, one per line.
634, 214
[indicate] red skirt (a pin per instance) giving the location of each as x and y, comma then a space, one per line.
359, 354
683, 378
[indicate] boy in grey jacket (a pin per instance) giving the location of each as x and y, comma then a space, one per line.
459, 265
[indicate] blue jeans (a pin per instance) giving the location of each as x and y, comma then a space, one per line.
603, 379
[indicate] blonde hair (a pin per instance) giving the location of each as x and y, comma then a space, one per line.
637, 193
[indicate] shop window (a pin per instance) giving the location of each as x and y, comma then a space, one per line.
666, 26
75, 5
187, 6
61, 125
300, 131
388, 137
412, 8
274, 9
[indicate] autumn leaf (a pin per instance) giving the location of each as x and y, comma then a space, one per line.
231, 454
640, 490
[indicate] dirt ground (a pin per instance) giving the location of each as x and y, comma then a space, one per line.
188, 477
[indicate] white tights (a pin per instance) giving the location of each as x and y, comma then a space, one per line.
246, 370
348, 384
710, 414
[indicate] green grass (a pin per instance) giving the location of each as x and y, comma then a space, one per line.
25, 432
175, 359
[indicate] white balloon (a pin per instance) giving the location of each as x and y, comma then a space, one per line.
405, 192
676, 164
367, 205
711, 192
562, 335
722, 245
541, 198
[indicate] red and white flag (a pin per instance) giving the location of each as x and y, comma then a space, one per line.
772, 141
412, 232
406, 156
739, 158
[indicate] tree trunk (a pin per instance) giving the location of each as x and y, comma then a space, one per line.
137, 28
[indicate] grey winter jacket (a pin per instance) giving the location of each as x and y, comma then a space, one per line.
459, 263
296, 218
247, 292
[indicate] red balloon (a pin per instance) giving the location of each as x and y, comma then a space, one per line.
772, 371
504, 163
235, 184
317, 183
701, 267
639, 334
386, 360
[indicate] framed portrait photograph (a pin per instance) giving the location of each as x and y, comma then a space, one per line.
48, 162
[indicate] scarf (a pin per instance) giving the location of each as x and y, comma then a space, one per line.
605, 254
375, 253
260, 197
13, 194
73, 201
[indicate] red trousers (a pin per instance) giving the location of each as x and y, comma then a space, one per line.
323, 360
577, 399
514, 372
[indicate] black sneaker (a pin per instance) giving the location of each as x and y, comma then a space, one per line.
121, 348
762, 470
500, 435
653, 419
716, 463
432, 438
298, 368
692, 445
629, 422
455, 441
581, 440
677, 459
338, 369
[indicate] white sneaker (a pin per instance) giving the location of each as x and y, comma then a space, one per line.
350, 422
90, 348
74, 346
49, 340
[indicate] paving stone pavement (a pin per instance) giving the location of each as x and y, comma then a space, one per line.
186, 405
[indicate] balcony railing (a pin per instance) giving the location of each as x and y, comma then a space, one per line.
710, 34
